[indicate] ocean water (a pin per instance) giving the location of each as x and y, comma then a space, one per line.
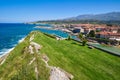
12, 34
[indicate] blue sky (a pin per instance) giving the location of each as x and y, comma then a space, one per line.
33, 10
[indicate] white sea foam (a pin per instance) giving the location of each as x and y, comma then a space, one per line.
6, 51
21, 40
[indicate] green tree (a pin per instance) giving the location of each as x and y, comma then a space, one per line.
91, 33
82, 38
84, 42
69, 37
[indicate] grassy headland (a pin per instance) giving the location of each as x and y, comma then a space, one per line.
83, 63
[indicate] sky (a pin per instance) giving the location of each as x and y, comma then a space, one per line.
33, 10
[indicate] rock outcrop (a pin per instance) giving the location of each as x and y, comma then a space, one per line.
56, 73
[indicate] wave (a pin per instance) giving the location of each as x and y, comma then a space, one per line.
6, 51
21, 40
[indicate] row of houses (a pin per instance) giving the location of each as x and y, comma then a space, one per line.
108, 35
102, 31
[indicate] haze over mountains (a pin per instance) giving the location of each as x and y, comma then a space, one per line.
106, 18
112, 16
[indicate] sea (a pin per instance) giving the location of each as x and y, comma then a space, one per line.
13, 33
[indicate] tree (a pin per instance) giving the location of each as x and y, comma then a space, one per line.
84, 42
82, 38
91, 33
69, 37
109, 25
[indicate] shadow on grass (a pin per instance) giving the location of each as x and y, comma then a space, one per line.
78, 44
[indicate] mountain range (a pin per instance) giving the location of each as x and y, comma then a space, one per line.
112, 16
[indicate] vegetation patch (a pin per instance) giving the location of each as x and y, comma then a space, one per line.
83, 63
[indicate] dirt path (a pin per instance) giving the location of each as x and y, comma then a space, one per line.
56, 73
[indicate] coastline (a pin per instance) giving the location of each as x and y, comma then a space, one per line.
7, 51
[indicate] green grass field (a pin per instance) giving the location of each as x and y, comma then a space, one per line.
83, 63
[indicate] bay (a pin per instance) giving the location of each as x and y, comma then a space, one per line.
12, 33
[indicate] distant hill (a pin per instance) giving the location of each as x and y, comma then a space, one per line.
106, 18
112, 16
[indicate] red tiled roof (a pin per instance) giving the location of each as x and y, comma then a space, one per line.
108, 33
